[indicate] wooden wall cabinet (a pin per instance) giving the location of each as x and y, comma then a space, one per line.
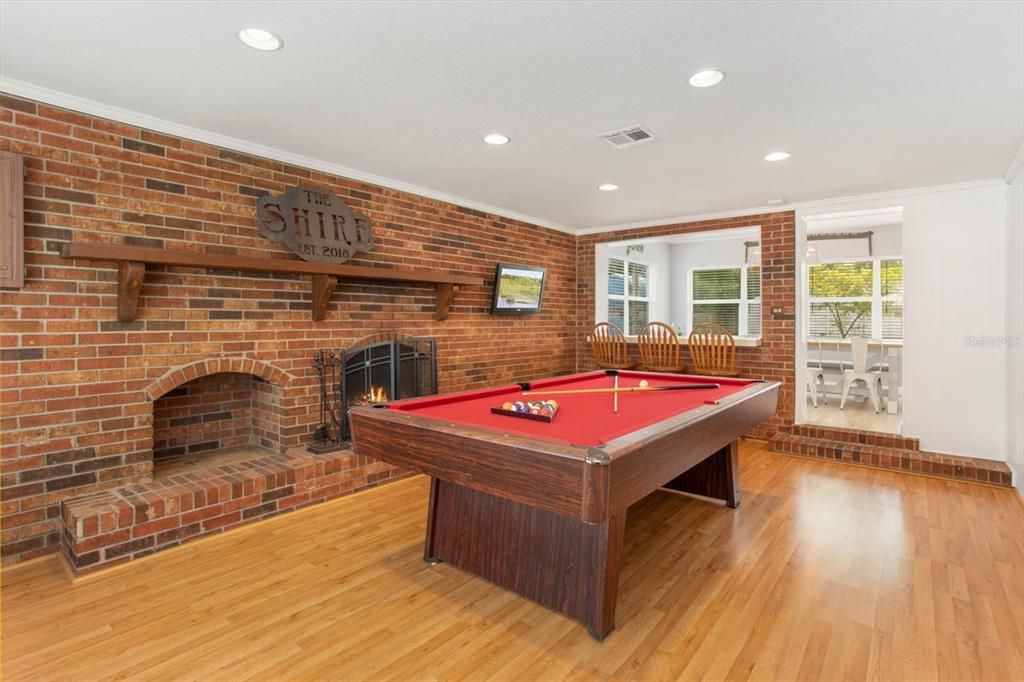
12, 220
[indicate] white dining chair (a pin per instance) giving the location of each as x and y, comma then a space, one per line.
816, 375
860, 372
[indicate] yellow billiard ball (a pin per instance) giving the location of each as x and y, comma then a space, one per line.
643, 383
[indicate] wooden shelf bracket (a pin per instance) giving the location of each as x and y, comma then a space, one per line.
132, 261
323, 289
129, 283
445, 295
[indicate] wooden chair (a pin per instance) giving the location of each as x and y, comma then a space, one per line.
660, 350
713, 350
608, 344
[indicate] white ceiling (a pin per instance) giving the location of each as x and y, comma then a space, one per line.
867, 96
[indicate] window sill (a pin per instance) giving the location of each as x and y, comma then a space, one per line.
833, 343
741, 342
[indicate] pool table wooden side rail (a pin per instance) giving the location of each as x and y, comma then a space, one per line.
650, 458
539, 473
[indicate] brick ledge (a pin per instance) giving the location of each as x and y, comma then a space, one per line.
953, 467
115, 526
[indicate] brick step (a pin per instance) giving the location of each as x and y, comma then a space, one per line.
855, 436
899, 459
103, 529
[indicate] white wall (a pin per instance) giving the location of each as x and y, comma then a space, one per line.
954, 365
887, 240
655, 254
1015, 328
670, 262
709, 253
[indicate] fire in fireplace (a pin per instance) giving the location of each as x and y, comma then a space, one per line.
376, 394
374, 370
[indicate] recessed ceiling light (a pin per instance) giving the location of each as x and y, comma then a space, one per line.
259, 39
776, 156
496, 138
707, 78
776, 202
607, 187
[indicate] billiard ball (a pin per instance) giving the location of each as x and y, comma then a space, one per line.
643, 383
508, 407
553, 404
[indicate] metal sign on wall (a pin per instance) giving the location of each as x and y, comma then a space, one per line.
314, 223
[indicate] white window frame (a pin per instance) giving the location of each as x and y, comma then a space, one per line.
625, 297
876, 299
744, 301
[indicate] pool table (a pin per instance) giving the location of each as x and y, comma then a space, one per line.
540, 508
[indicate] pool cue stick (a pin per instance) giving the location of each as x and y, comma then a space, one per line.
616, 394
628, 389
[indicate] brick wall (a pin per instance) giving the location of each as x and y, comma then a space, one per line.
78, 387
774, 358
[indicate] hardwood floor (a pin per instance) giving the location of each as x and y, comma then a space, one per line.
858, 415
826, 571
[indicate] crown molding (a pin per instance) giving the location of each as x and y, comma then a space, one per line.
93, 108
691, 237
799, 206
1016, 165
692, 218
899, 193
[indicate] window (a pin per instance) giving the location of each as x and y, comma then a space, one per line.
856, 298
629, 295
730, 297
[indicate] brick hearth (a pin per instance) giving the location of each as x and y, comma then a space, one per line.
115, 526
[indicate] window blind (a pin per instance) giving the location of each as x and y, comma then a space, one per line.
716, 284
891, 281
628, 294
841, 280
845, 301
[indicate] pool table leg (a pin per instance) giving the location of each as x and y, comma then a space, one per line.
429, 554
556, 560
717, 476
606, 542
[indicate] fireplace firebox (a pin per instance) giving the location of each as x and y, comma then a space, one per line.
374, 370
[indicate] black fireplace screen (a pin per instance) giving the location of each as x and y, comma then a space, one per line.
372, 373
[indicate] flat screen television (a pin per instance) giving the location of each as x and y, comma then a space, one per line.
518, 289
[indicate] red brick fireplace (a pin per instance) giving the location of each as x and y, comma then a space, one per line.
88, 401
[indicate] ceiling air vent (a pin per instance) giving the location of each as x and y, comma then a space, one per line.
628, 137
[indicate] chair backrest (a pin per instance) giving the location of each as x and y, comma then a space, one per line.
608, 344
859, 352
815, 345
659, 346
712, 348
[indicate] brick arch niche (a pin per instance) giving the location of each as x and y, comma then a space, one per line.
216, 411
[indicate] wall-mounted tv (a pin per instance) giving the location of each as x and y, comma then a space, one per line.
518, 289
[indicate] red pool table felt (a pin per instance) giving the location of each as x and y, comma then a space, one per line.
582, 419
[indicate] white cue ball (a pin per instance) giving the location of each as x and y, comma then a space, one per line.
643, 383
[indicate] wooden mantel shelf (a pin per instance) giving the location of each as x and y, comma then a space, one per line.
132, 262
